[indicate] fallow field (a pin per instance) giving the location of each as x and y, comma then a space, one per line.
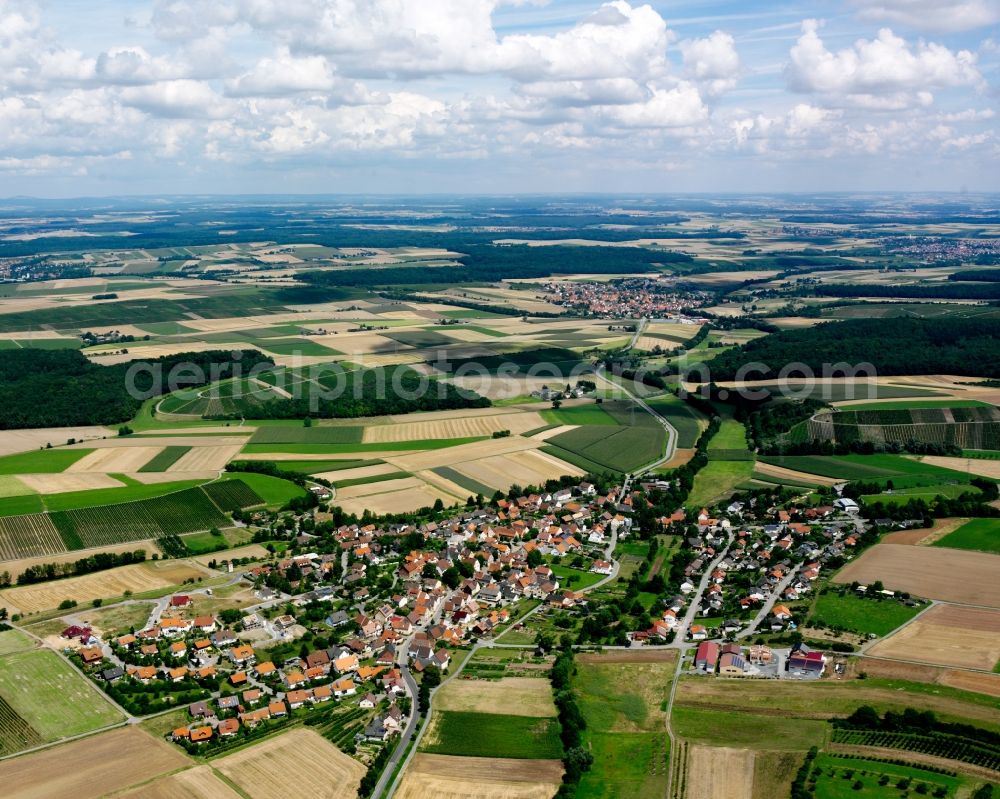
449, 777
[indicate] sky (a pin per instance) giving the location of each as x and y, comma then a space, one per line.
497, 96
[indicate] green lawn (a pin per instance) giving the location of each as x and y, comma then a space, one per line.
836, 778
52, 696
42, 461
861, 614
490, 735
718, 480
273, 490
731, 435
575, 579
979, 534
14, 641
10, 486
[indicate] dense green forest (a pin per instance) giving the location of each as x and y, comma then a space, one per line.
895, 347
982, 275
61, 388
489, 264
379, 391
948, 291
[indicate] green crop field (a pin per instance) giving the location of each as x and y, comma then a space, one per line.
837, 778
488, 735
860, 614
471, 485
592, 467
916, 403
685, 419
316, 467
978, 534
904, 472
164, 459
72, 500
51, 697
750, 730
579, 414
295, 346
621, 448
43, 461
274, 491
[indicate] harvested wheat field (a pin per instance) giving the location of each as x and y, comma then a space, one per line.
12, 441
195, 783
714, 771
545, 435
781, 473
175, 441
463, 427
201, 459
394, 496
947, 635
975, 681
152, 478
451, 456
90, 767
62, 483
449, 777
983, 468
524, 468
950, 575
299, 762
101, 585
115, 459
358, 473
518, 696
252, 551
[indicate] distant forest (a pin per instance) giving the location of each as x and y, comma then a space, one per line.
61, 388
895, 346
489, 264
950, 290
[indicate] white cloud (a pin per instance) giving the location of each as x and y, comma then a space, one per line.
932, 15
177, 99
886, 66
712, 61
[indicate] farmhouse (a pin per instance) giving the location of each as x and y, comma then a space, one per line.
706, 656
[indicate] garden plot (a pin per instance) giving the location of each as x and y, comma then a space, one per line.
516, 422
450, 777
951, 575
947, 635
299, 762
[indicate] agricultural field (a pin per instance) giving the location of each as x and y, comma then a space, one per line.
905, 472
621, 696
472, 734
969, 425
448, 777
200, 782
950, 575
91, 767
43, 698
518, 696
140, 578
840, 777
687, 421
982, 535
947, 635
637, 440
875, 615
299, 761
718, 771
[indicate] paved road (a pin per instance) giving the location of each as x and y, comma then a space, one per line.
765, 609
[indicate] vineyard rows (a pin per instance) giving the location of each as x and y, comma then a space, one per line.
16, 734
28, 536
950, 747
967, 435
231, 495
